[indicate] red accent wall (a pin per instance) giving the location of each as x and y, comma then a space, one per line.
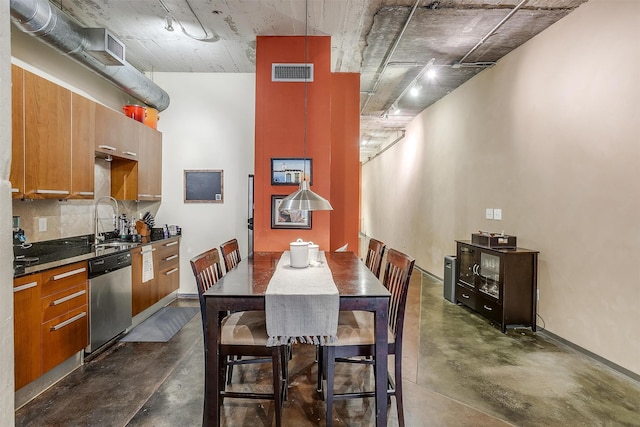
280, 133
345, 160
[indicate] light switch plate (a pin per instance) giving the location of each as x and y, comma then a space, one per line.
497, 214
488, 213
42, 224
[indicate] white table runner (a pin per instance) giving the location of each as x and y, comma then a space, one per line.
301, 304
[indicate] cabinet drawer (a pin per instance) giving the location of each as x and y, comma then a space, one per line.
466, 296
59, 303
61, 278
64, 336
489, 308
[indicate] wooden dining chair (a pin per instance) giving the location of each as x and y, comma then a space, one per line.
356, 336
242, 333
375, 252
230, 254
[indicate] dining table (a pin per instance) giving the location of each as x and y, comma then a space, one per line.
243, 288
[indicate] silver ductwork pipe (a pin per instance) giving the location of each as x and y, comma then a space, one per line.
39, 19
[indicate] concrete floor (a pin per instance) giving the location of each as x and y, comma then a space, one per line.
459, 370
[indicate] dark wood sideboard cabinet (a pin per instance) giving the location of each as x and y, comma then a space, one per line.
500, 284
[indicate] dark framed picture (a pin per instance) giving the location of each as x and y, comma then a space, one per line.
203, 186
288, 219
290, 171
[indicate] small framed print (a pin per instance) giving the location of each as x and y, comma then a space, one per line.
288, 219
290, 171
203, 186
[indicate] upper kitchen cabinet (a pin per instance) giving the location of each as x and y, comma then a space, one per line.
83, 128
115, 134
47, 139
17, 133
150, 164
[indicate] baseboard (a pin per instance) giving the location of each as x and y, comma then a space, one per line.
591, 355
188, 296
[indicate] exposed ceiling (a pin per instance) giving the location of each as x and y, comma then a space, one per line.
394, 44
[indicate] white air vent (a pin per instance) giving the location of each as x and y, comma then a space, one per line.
104, 46
291, 72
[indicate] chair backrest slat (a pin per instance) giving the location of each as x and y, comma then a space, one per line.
396, 279
375, 252
207, 271
230, 254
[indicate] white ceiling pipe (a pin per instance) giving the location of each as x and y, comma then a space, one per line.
50, 25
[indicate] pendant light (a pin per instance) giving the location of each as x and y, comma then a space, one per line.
304, 199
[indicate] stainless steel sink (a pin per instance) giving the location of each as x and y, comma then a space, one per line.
122, 245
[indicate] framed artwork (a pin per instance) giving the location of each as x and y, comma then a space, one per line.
289, 171
288, 219
203, 186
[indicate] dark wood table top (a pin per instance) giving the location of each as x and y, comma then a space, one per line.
251, 278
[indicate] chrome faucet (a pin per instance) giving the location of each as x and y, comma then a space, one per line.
96, 220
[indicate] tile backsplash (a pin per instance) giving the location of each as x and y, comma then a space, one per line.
67, 218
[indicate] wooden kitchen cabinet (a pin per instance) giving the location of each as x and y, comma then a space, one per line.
144, 294
500, 284
150, 164
114, 135
26, 329
16, 176
47, 138
166, 274
83, 122
64, 313
168, 266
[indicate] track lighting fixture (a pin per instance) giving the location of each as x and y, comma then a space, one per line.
169, 23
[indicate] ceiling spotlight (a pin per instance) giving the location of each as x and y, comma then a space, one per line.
415, 91
395, 108
169, 26
431, 74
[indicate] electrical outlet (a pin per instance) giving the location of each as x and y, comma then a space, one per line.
488, 214
497, 214
42, 224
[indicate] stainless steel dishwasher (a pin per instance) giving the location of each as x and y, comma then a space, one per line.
109, 298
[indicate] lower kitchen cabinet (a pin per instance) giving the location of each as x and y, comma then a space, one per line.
500, 284
168, 267
166, 274
64, 313
50, 320
26, 329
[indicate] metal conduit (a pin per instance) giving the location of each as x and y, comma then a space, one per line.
387, 59
37, 18
490, 33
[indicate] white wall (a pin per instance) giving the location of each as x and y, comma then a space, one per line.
551, 135
209, 125
6, 270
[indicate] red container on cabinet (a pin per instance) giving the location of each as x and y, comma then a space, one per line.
136, 112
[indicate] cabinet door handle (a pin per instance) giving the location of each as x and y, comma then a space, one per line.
67, 322
130, 153
85, 193
173, 270
169, 258
145, 195
158, 196
25, 287
170, 244
69, 273
465, 296
51, 192
67, 298
15, 190
107, 147
486, 307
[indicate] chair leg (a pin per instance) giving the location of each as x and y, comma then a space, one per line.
285, 356
398, 390
329, 362
276, 360
222, 374
230, 369
319, 359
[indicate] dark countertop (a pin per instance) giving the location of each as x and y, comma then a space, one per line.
42, 256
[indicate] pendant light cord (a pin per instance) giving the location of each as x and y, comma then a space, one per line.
306, 77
